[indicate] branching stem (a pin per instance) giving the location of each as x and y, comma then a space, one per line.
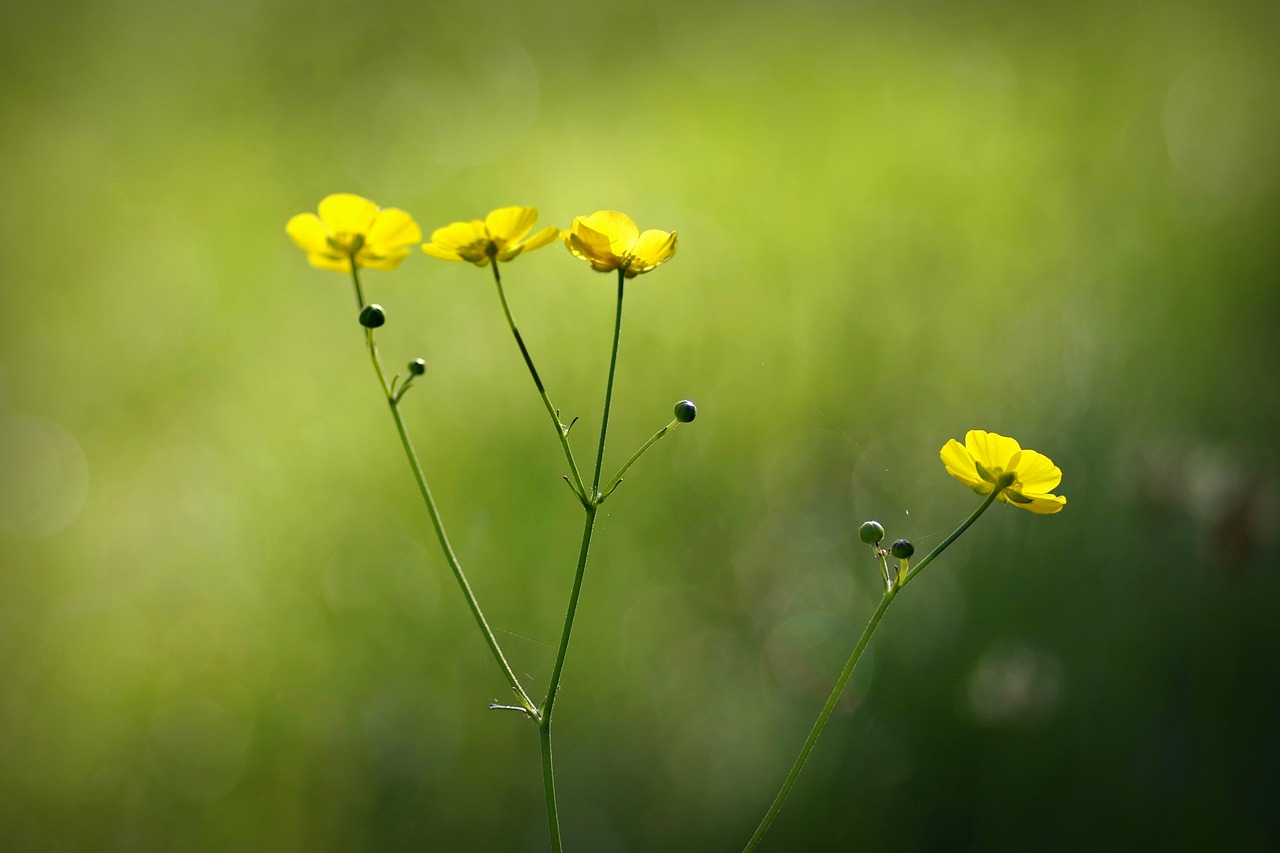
562, 433
451, 558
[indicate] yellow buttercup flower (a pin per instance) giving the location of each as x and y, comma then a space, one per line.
354, 229
609, 240
501, 236
988, 461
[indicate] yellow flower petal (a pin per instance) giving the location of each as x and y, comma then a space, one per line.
443, 254
329, 262
1037, 474
959, 463
1043, 504
591, 245
618, 227
309, 233
468, 240
385, 262
984, 455
352, 229
347, 213
537, 241
990, 449
610, 240
456, 235
509, 224
542, 238
392, 229
651, 249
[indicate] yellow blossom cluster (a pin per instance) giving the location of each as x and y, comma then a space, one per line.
353, 232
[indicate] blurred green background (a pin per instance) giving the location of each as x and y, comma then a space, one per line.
225, 624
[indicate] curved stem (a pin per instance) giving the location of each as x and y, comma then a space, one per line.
891, 591
884, 567
450, 557
576, 482
452, 560
953, 537
616, 479
821, 722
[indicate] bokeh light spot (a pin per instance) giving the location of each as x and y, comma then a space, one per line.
44, 477
199, 746
1014, 684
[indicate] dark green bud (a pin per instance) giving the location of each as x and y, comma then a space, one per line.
417, 367
686, 411
372, 316
871, 532
902, 549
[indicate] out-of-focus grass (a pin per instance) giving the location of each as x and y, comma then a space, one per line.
224, 624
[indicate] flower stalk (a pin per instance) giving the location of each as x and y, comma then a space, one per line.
393, 402
588, 528
616, 479
609, 241
892, 588
562, 432
823, 716
351, 233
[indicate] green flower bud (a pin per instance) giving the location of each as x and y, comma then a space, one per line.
871, 532
417, 367
372, 316
686, 411
902, 549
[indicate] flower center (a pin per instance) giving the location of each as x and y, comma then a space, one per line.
346, 242
997, 477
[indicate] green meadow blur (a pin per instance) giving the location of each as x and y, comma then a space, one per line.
225, 624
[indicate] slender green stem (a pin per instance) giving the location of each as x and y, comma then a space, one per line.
608, 388
616, 479
884, 567
553, 686
450, 557
953, 537
821, 722
355, 278
561, 433
549, 785
891, 592
588, 528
